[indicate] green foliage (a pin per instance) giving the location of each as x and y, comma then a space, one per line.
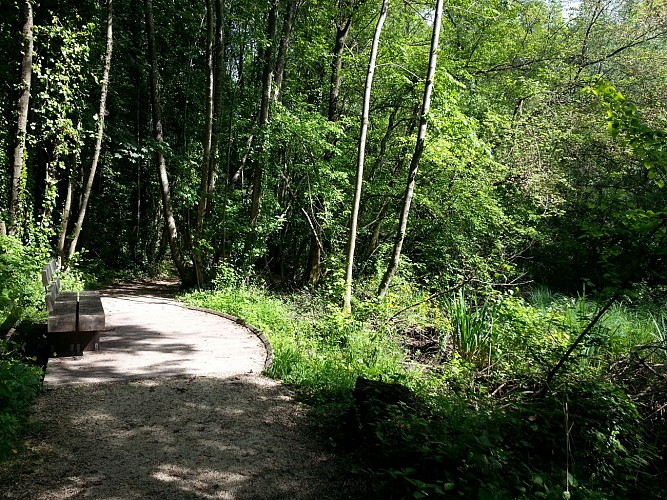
471, 331
21, 296
625, 121
478, 429
522, 179
19, 384
21, 292
321, 352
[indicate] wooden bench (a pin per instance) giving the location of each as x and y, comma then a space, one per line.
75, 318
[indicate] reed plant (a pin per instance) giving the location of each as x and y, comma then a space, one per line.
471, 328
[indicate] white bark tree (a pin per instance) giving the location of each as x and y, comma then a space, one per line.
24, 106
359, 179
88, 186
416, 155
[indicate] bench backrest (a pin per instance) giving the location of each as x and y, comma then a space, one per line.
51, 295
48, 272
51, 284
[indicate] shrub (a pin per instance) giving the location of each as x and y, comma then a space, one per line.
21, 292
479, 427
19, 385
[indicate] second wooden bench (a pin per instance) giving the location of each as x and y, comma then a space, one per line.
75, 318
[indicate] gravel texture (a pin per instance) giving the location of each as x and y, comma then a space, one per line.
173, 406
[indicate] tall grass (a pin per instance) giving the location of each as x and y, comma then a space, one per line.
660, 329
474, 431
471, 328
323, 353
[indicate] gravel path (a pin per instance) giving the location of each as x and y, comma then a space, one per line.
173, 406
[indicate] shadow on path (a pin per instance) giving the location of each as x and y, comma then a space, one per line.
241, 438
173, 406
151, 337
165, 288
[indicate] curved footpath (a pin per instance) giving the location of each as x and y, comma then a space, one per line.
148, 336
172, 406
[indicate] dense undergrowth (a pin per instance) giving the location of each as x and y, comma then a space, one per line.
479, 420
22, 318
459, 404
20, 298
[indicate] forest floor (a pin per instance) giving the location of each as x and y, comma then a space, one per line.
173, 406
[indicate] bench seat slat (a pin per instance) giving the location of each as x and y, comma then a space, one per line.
91, 312
63, 316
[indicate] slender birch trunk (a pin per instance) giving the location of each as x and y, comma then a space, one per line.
215, 64
24, 106
398, 167
343, 25
416, 156
64, 219
167, 208
347, 302
219, 65
99, 137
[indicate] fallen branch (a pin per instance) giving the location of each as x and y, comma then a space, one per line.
565, 358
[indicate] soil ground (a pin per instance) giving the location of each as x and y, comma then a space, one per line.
172, 406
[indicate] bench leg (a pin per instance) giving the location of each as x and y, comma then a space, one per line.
65, 344
90, 341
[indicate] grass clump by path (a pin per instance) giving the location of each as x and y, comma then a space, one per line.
474, 418
321, 353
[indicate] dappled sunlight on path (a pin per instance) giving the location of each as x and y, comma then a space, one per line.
176, 438
172, 406
150, 337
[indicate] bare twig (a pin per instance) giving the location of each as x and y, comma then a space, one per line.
565, 358
430, 297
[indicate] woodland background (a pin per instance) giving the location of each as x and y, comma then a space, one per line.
506, 239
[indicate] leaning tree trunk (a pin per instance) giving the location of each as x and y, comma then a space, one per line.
347, 302
64, 219
24, 105
167, 208
416, 156
264, 108
288, 24
398, 168
100, 135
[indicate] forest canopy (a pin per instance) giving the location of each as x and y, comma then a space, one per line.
457, 160
543, 160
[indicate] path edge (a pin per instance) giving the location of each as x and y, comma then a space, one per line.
268, 362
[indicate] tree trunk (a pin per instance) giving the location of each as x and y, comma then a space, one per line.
64, 219
288, 23
416, 156
167, 209
215, 62
264, 107
398, 167
100, 134
342, 30
208, 142
24, 105
347, 303
219, 68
